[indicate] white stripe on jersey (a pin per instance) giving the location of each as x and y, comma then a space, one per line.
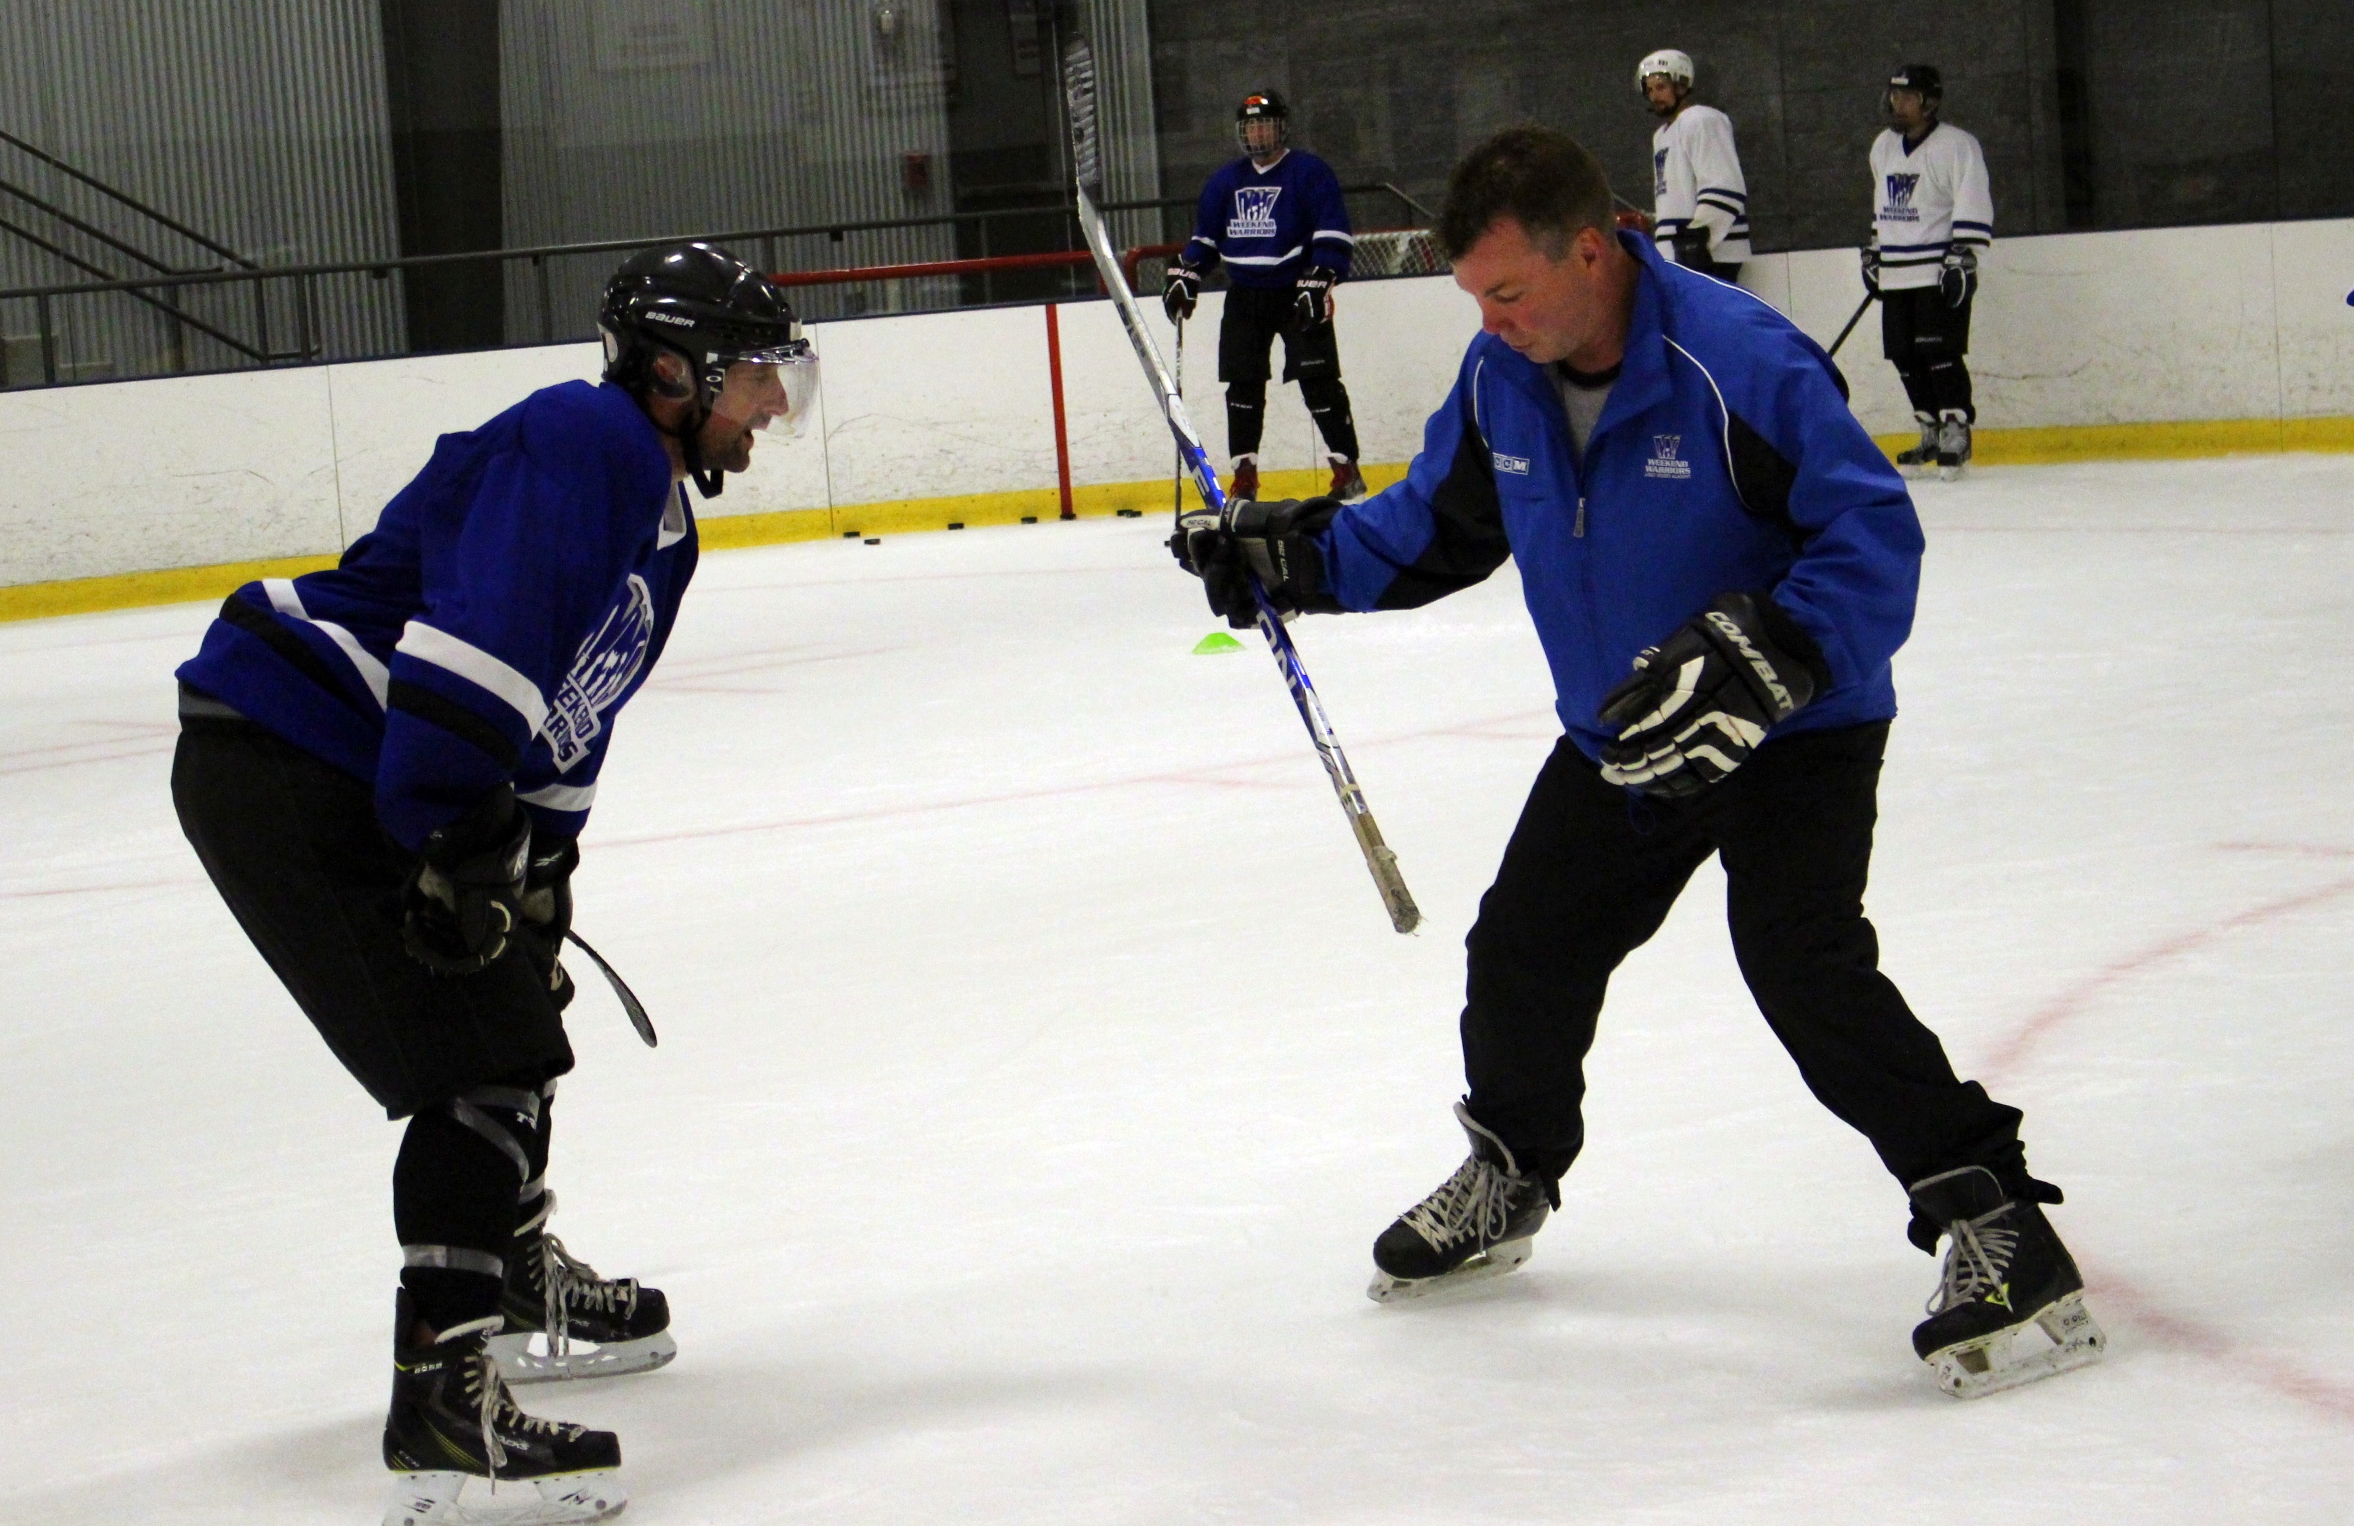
561, 797
286, 599
1925, 201
477, 667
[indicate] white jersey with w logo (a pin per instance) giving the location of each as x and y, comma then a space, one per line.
1696, 182
1926, 200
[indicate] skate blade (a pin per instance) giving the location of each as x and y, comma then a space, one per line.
1494, 1262
560, 1499
518, 1363
1949, 474
2062, 1338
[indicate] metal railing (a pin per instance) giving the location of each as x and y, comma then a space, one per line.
165, 290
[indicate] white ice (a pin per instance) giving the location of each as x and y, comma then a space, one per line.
1037, 1066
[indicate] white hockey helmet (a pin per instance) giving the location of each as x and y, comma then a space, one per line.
1672, 62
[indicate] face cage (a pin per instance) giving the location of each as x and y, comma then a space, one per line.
1929, 103
1242, 135
797, 370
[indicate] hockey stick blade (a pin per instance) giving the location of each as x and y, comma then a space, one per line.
629, 998
1086, 158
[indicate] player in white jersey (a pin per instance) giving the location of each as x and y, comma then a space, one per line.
1699, 202
1931, 214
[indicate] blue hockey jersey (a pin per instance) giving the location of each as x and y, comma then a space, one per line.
509, 601
1725, 459
1268, 225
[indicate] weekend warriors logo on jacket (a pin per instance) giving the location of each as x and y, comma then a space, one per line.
1900, 197
1665, 460
602, 672
1254, 212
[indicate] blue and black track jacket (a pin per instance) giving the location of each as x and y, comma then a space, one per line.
509, 601
1269, 225
1725, 460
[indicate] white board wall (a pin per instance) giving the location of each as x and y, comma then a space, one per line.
2150, 326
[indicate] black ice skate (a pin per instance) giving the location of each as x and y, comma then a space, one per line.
2009, 1308
452, 1419
1953, 448
1923, 456
588, 1326
1480, 1223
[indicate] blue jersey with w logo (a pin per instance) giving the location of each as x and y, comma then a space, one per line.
1268, 225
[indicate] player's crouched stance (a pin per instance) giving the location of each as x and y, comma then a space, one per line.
1720, 565
385, 769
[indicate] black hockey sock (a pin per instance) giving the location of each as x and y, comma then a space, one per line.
1328, 402
1246, 416
1917, 389
1949, 380
454, 1203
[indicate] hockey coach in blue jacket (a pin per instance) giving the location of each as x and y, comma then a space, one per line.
1720, 565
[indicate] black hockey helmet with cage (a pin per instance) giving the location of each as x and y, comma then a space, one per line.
1262, 106
712, 310
1921, 77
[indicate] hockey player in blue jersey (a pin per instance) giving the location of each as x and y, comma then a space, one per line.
1720, 565
385, 769
1277, 219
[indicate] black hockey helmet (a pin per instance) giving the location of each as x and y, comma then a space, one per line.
712, 310
1262, 106
1921, 77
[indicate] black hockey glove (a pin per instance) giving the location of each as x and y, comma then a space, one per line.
547, 911
1312, 304
1700, 701
1180, 290
462, 900
1270, 540
1957, 278
1691, 246
1869, 255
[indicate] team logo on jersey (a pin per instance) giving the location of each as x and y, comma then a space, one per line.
1658, 174
1665, 458
1900, 199
1254, 212
1516, 465
602, 671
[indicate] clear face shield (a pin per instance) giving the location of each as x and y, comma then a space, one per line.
773, 390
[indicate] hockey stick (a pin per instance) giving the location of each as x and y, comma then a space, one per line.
1179, 383
629, 999
1869, 298
1086, 165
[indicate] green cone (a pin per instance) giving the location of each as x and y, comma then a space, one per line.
1216, 642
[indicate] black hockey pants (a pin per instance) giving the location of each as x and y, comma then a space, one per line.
1246, 334
294, 848
1589, 875
1927, 340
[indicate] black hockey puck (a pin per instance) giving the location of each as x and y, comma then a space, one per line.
849, 535
874, 540
956, 524
1131, 513
1029, 519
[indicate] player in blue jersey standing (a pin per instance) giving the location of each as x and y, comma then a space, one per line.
1720, 565
385, 769
1277, 218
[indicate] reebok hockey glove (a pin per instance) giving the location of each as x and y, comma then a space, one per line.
547, 911
1271, 541
1312, 307
1180, 290
461, 902
1957, 278
1700, 701
1869, 255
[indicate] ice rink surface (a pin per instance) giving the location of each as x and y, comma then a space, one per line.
1038, 1066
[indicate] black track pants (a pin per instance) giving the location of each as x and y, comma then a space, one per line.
1590, 874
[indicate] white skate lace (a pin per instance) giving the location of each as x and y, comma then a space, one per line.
1477, 1199
497, 1409
1976, 1257
567, 1282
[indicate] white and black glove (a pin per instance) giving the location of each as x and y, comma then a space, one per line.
547, 911
463, 899
1180, 290
1273, 541
1957, 277
1869, 254
1312, 300
1700, 701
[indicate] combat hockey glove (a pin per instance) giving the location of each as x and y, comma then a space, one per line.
1273, 541
1700, 701
547, 910
1957, 277
1869, 256
1180, 290
461, 902
1312, 306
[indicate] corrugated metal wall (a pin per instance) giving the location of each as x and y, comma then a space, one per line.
259, 122
1121, 31
652, 118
